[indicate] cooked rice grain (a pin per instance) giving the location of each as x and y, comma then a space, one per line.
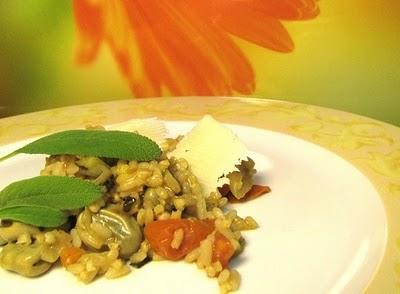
177, 239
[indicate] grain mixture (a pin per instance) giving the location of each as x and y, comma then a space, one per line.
114, 234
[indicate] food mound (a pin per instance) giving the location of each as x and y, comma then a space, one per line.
172, 205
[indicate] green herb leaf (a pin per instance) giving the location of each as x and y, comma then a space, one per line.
40, 216
111, 144
51, 191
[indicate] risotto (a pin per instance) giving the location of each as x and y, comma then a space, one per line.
149, 211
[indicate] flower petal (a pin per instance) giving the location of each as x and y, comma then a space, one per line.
198, 59
183, 48
123, 43
254, 26
287, 9
89, 23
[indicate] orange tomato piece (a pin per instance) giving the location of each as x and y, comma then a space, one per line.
222, 249
160, 234
70, 255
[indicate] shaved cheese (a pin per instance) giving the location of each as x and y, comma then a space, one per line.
152, 128
212, 151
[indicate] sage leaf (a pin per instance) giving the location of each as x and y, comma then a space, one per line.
52, 191
99, 143
40, 216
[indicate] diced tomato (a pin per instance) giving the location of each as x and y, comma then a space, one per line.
224, 190
70, 255
255, 192
222, 249
160, 234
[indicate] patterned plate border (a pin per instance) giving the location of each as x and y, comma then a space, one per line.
370, 145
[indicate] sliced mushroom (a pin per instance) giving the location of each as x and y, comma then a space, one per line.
240, 182
95, 168
109, 226
171, 182
24, 260
11, 233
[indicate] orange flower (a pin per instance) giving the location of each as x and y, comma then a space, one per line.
184, 47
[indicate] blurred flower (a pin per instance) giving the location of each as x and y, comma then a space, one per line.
184, 47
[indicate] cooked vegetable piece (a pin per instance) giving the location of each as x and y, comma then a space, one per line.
24, 260
95, 168
124, 228
70, 255
255, 192
160, 235
241, 181
14, 230
109, 226
222, 249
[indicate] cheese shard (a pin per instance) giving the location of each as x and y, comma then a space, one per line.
212, 151
152, 128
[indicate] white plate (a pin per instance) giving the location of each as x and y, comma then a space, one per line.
322, 228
